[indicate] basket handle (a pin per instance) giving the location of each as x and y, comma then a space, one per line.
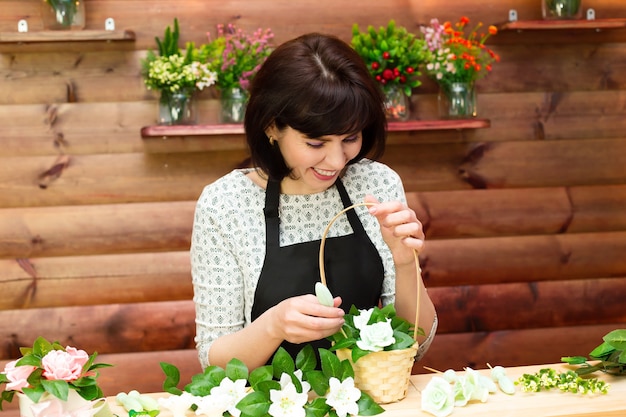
323, 273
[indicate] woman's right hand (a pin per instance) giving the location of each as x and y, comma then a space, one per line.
303, 319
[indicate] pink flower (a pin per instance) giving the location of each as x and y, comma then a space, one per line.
67, 366
17, 376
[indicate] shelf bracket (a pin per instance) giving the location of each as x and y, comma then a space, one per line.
109, 24
22, 26
591, 14
512, 15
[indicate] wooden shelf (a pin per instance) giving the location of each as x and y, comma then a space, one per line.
576, 24
164, 132
67, 36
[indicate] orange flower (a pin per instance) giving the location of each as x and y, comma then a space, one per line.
458, 53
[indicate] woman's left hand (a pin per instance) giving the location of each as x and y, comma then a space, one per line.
400, 228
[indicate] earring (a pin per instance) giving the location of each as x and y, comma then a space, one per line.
272, 140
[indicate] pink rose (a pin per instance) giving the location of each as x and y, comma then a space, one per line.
17, 375
67, 366
80, 356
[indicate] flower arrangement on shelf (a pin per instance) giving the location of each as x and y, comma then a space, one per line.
50, 369
236, 56
392, 54
177, 76
456, 58
174, 71
455, 54
283, 388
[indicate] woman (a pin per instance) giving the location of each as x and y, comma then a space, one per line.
313, 116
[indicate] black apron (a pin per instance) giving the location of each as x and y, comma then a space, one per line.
353, 267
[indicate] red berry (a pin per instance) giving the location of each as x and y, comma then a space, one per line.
396, 71
402, 79
378, 77
386, 55
388, 74
375, 65
409, 70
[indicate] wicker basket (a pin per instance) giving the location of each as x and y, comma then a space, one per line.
384, 375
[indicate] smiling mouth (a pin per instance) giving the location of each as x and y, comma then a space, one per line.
325, 173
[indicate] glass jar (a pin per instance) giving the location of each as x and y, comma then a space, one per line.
561, 9
397, 103
233, 103
177, 108
63, 14
457, 100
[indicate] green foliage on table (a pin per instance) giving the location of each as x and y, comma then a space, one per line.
611, 353
265, 378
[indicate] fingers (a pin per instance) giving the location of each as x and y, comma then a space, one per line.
400, 220
303, 319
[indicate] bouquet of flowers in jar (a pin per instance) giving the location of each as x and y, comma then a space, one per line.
457, 53
48, 371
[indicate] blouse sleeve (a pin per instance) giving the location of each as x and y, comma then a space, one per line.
217, 281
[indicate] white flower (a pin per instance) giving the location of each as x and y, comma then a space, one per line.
462, 391
438, 397
178, 404
213, 405
374, 337
233, 392
361, 320
479, 390
287, 402
343, 397
285, 380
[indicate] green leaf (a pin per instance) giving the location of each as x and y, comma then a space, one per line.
367, 406
201, 384
282, 362
262, 373
172, 378
236, 369
602, 351
319, 382
358, 353
58, 388
254, 404
305, 359
574, 360
317, 408
41, 347
34, 393
347, 343
266, 385
616, 338
331, 365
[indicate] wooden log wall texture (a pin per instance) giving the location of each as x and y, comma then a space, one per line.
525, 220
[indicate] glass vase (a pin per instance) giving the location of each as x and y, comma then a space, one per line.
457, 100
63, 14
397, 103
50, 405
561, 9
233, 105
177, 108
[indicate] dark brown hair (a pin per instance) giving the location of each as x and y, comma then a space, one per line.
318, 85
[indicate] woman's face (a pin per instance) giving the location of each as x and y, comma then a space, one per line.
315, 163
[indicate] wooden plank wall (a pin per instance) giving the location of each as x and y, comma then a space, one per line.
525, 220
